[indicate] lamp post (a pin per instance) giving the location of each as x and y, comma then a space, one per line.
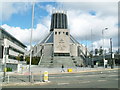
103, 45
31, 43
111, 53
92, 64
5, 69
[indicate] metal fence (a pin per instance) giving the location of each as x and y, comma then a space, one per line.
22, 78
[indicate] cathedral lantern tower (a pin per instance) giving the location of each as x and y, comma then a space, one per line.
61, 34
58, 20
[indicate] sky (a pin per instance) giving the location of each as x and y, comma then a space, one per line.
86, 20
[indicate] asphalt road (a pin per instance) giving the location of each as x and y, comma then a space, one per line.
104, 79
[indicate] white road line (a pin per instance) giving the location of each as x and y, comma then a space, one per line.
78, 76
91, 75
63, 83
74, 76
66, 77
116, 79
85, 82
112, 75
101, 80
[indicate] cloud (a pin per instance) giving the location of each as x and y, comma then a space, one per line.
23, 35
81, 22
10, 8
82, 18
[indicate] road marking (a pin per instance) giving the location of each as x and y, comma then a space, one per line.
116, 79
66, 77
91, 75
85, 82
112, 75
74, 76
101, 80
63, 83
77, 76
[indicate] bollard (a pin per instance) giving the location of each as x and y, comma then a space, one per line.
32, 77
22, 69
8, 78
69, 70
45, 76
40, 76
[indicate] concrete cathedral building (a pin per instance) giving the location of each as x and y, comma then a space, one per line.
59, 47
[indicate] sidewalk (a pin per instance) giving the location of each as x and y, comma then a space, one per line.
38, 71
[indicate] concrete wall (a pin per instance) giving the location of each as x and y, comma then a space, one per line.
73, 49
61, 41
37, 50
83, 49
48, 50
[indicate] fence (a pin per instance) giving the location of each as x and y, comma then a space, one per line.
10, 78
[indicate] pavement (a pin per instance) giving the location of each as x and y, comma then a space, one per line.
38, 70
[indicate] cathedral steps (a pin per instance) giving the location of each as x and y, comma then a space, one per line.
66, 61
57, 61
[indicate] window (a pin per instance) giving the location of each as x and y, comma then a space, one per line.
63, 32
61, 54
16, 50
1, 51
59, 32
55, 33
12, 57
66, 33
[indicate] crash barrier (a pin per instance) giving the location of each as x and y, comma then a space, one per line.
45, 76
69, 70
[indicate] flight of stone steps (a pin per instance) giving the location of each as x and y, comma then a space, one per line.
57, 61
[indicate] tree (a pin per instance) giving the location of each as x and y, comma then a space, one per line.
101, 51
96, 51
91, 54
35, 60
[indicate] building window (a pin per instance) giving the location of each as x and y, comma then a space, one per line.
12, 57
55, 33
16, 50
59, 32
63, 32
66, 33
1, 51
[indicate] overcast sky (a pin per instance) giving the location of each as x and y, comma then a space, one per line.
83, 17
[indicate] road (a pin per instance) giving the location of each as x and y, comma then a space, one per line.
97, 79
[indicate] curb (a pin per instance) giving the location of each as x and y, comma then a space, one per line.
103, 69
25, 84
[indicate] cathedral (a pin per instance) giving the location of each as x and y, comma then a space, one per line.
59, 47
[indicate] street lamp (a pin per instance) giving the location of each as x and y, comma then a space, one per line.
103, 45
4, 63
92, 64
112, 66
31, 43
